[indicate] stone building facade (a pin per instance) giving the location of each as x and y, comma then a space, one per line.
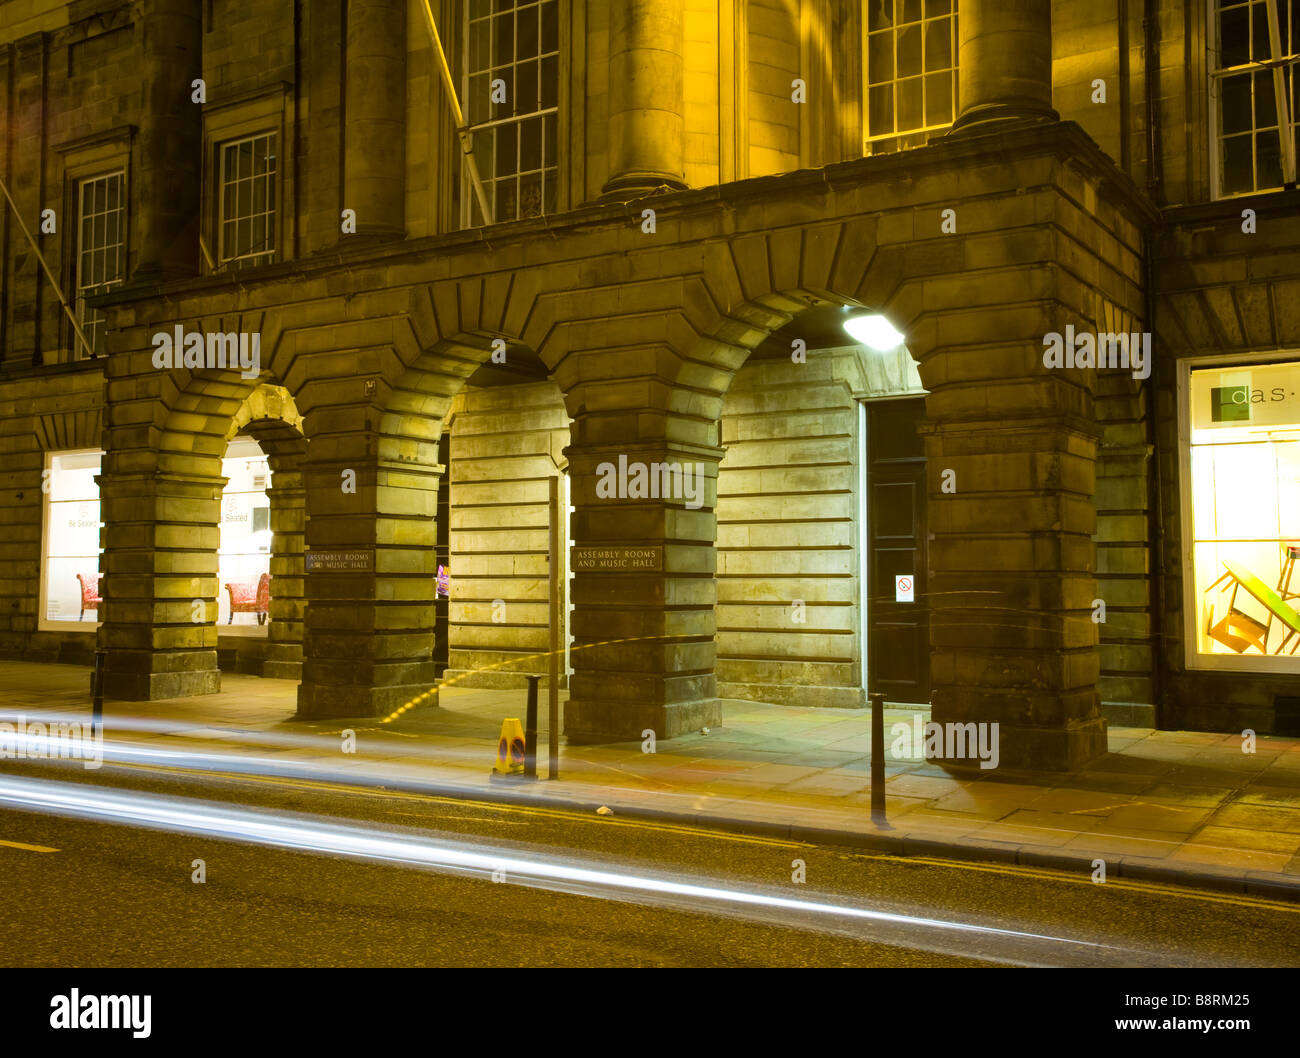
689, 198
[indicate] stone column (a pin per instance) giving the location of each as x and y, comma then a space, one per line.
657, 619
170, 180
1004, 58
646, 105
288, 517
374, 155
368, 632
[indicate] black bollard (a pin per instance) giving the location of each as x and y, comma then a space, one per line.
530, 730
877, 757
97, 692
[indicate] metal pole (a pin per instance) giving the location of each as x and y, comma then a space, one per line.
557, 600
530, 729
462, 130
1288, 146
877, 756
97, 691
53, 282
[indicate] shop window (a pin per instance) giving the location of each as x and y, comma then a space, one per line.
247, 182
72, 552
513, 45
101, 248
910, 65
244, 558
1244, 477
1255, 87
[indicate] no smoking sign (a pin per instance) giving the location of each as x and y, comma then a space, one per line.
904, 590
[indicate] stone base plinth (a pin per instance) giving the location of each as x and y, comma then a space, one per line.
588, 722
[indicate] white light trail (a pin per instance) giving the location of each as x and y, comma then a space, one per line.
304, 833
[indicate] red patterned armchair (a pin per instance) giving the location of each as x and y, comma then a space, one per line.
90, 597
248, 598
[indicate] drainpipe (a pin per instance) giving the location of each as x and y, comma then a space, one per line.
1151, 79
1155, 490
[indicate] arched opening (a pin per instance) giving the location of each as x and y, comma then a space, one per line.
821, 506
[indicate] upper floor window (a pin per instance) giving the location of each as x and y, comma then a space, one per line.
911, 71
1254, 58
511, 97
247, 182
101, 248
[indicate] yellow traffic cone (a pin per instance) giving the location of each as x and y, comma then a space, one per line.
510, 748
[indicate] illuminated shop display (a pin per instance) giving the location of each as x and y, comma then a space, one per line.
244, 558
72, 551
1245, 511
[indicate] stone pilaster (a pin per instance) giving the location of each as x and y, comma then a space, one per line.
1004, 57
655, 669
368, 634
170, 179
160, 535
646, 80
374, 155
1011, 449
284, 632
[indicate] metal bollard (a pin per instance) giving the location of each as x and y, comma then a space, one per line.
97, 694
877, 756
530, 730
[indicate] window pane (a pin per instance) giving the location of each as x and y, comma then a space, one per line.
938, 49
1238, 171
527, 32
506, 154
881, 110
911, 11
909, 51
909, 104
507, 201
1259, 46
550, 157
530, 145
938, 99
526, 86
1235, 94
480, 50
937, 7
880, 58
550, 81
1265, 101
503, 41
550, 27
1234, 37
880, 14
530, 195
1268, 160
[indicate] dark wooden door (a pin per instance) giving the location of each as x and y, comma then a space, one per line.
898, 637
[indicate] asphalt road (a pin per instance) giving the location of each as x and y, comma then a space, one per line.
408, 880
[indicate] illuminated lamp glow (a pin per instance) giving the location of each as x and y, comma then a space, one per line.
874, 331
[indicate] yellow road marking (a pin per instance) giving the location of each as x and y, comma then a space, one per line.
29, 848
